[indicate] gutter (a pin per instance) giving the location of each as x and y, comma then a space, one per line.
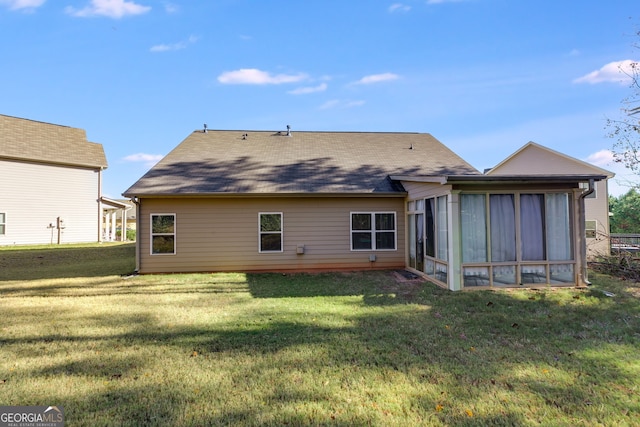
583, 279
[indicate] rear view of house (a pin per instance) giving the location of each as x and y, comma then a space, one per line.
50, 183
313, 201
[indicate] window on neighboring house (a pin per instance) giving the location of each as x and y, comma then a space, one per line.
590, 228
373, 231
584, 186
270, 231
3, 223
163, 234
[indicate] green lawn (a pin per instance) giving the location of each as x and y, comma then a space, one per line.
76, 330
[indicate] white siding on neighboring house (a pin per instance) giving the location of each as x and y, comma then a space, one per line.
34, 195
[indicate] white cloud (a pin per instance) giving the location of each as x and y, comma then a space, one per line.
602, 158
148, 160
624, 179
337, 103
350, 104
616, 72
377, 78
171, 7
109, 8
174, 46
22, 4
309, 89
399, 7
253, 76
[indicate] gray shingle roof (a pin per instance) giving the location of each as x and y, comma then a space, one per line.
222, 162
23, 139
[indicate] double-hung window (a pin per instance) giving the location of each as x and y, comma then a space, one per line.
373, 231
270, 231
163, 234
3, 223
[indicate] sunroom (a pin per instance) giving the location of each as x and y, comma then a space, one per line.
474, 232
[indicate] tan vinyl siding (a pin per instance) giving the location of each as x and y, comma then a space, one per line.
597, 209
222, 234
537, 160
34, 195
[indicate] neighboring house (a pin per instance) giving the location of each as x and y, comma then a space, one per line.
118, 215
536, 159
50, 180
314, 201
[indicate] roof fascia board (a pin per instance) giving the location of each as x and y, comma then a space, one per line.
402, 194
522, 179
425, 179
53, 163
114, 203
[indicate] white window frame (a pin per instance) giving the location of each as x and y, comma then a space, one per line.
3, 223
373, 230
260, 232
591, 232
152, 234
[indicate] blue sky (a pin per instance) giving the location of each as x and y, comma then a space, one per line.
482, 76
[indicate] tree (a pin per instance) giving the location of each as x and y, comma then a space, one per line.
626, 130
625, 212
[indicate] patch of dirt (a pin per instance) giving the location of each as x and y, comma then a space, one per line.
407, 284
404, 275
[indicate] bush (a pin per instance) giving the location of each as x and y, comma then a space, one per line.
622, 265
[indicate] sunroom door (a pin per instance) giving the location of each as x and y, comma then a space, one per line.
419, 239
416, 241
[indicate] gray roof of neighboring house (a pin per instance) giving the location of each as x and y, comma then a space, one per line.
225, 162
29, 140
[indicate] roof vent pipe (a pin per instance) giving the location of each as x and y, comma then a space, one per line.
288, 130
205, 128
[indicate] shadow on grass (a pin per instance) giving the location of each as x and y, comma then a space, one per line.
376, 287
465, 346
57, 262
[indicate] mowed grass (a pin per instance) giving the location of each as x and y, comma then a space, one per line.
337, 349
